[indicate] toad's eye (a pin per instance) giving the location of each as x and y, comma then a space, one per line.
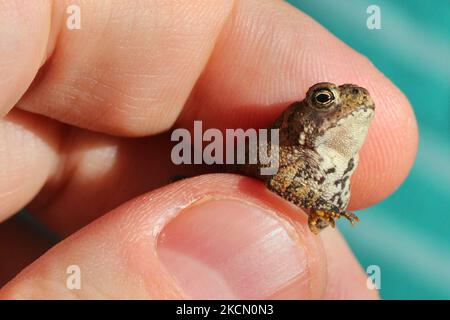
323, 98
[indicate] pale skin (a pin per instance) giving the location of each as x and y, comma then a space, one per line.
82, 140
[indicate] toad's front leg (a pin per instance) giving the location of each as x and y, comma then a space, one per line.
320, 219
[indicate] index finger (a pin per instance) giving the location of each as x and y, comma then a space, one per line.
263, 56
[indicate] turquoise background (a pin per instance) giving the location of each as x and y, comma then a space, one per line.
408, 234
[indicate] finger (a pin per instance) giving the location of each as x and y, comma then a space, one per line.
24, 36
130, 67
21, 242
28, 157
220, 231
97, 173
70, 175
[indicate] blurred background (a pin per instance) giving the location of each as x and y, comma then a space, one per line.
408, 234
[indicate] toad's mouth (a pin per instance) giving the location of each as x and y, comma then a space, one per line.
364, 114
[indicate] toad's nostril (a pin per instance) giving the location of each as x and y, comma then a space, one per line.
355, 91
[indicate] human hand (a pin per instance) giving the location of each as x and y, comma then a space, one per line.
76, 145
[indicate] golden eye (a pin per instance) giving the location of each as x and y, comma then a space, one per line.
323, 98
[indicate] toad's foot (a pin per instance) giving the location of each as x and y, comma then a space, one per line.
350, 216
319, 219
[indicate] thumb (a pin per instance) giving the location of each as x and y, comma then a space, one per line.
211, 237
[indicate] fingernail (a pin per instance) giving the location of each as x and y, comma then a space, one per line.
228, 249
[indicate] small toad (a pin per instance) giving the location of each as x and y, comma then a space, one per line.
319, 140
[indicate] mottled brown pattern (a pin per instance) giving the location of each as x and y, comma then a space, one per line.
319, 142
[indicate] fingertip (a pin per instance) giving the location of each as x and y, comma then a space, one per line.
250, 79
390, 149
